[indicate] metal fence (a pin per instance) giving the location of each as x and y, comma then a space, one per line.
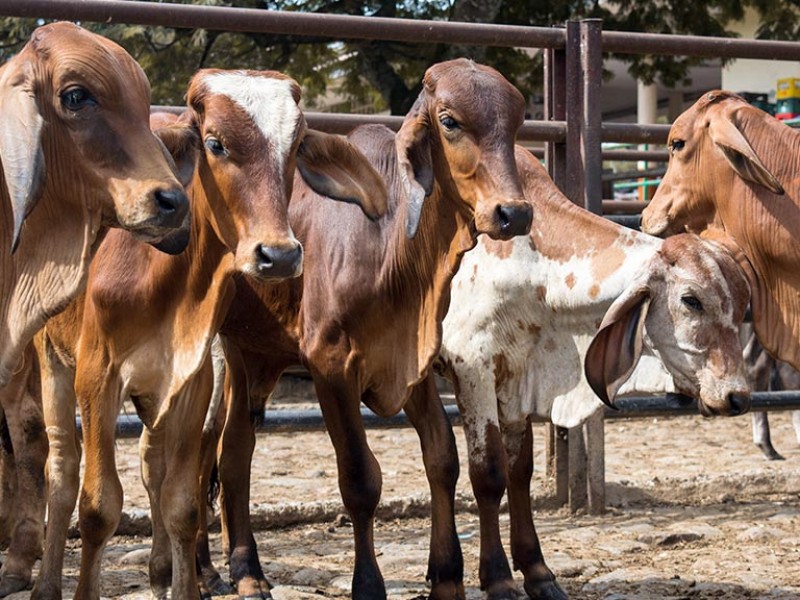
572, 129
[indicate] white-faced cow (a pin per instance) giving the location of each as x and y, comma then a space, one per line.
143, 329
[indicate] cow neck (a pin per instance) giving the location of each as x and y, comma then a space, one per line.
46, 271
418, 271
563, 232
210, 260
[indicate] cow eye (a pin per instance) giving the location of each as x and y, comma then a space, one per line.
693, 303
77, 98
448, 122
676, 145
215, 146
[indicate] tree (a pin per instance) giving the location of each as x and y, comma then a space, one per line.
387, 74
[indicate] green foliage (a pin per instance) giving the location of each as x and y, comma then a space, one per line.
385, 74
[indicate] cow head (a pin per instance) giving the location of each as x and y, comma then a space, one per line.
74, 112
254, 135
709, 152
462, 128
687, 305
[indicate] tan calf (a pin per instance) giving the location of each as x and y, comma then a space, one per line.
77, 156
148, 319
733, 169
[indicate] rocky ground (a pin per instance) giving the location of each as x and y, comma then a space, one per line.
694, 512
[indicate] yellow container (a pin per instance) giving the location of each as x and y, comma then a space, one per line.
788, 87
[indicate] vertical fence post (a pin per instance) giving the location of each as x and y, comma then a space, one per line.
555, 103
575, 191
591, 149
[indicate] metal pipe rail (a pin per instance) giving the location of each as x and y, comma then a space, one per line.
373, 28
290, 420
340, 27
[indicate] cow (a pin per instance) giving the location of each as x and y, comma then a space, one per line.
143, 329
764, 373
77, 157
524, 318
732, 171
365, 318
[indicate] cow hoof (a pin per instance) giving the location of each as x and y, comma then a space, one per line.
447, 591
216, 587
505, 590
545, 590
11, 584
769, 452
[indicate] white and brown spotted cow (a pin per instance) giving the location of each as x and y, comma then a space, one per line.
520, 326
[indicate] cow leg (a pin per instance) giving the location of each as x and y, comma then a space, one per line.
540, 583
22, 405
445, 563
761, 436
8, 483
63, 465
235, 455
101, 495
151, 454
359, 481
174, 484
211, 583
487, 473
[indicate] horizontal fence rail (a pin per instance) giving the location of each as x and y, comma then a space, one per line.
289, 420
251, 20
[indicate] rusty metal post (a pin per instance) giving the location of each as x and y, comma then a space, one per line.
555, 106
592, 76
591, 150
575, 191
574, 184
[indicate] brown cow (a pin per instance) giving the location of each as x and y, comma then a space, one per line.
733, 169
366, 316
143, 329
77, 156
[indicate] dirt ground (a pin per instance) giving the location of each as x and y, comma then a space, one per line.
695, 511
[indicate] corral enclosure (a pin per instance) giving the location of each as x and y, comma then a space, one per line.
734, 517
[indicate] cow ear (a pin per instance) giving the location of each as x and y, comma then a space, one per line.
332, 166
617, 346
741, 156
414, 158
181, 142
21, 152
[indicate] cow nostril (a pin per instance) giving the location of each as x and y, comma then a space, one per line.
514, 219
278, 262
170, 201
263, 257
739, 403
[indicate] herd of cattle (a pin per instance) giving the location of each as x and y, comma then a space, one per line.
131, 243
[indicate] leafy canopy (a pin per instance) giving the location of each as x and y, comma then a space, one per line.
380, 74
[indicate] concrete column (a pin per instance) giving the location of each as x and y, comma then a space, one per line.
646, 113
646, 103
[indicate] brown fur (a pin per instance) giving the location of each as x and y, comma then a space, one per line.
737, 173
147, 323
366, 317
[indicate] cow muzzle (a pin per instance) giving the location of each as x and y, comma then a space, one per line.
160, 218
733, 405
278, 262
505, 220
